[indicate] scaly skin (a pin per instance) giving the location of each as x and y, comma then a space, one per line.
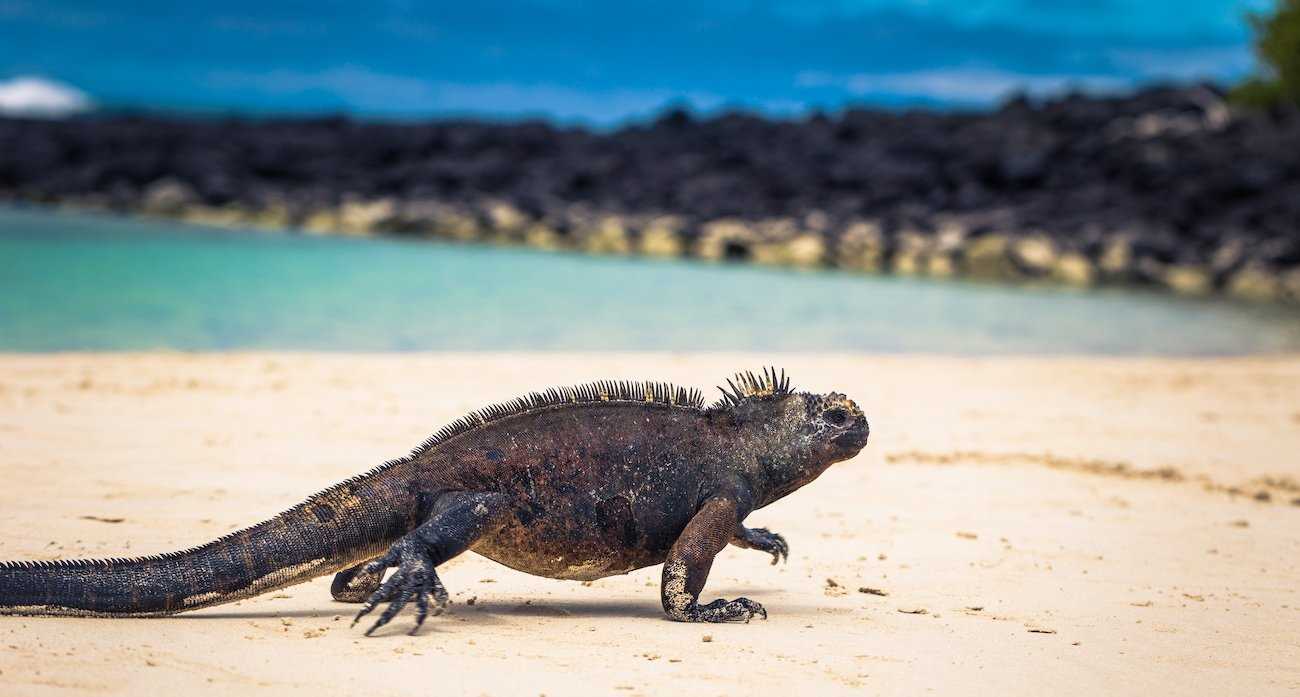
576, 483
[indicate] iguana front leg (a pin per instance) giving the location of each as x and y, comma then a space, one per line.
763, 540
690, 559
457, 520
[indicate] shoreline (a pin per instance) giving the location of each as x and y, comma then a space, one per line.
1167, 188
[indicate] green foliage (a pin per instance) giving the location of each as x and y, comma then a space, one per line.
1277, 43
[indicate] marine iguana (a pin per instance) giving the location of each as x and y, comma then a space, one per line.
571, 483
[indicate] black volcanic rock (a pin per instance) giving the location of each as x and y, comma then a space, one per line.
1170, 169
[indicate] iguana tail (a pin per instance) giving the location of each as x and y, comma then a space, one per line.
330, 531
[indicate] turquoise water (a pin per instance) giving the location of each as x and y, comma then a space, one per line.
76, 282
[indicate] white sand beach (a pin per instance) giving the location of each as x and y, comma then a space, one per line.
1065, 526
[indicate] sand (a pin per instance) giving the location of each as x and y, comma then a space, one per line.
1040, 526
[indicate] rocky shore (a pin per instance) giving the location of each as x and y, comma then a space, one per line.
1168, 187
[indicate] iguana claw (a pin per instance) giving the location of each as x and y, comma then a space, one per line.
774, 544
763, 540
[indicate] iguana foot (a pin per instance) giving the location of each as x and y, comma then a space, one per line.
415, 579
764, 540
352, 585
740, 609
457, 520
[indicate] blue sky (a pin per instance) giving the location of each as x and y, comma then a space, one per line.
607, 62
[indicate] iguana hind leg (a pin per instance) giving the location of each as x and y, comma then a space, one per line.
456, 521
352, 586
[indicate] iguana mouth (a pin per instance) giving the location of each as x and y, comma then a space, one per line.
855, 437
850, 439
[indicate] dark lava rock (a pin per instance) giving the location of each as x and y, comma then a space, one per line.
1172, 170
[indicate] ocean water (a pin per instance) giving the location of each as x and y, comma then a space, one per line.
80, 282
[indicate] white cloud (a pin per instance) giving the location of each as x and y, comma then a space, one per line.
963, 84
364, 90
1196, 63
37, 96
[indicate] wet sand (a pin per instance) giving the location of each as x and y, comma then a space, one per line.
1040, 526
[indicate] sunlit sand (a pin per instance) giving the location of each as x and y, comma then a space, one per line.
1053, 526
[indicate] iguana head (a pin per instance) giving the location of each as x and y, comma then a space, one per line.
789, 437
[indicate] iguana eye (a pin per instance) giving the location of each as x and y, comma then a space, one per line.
835, 416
